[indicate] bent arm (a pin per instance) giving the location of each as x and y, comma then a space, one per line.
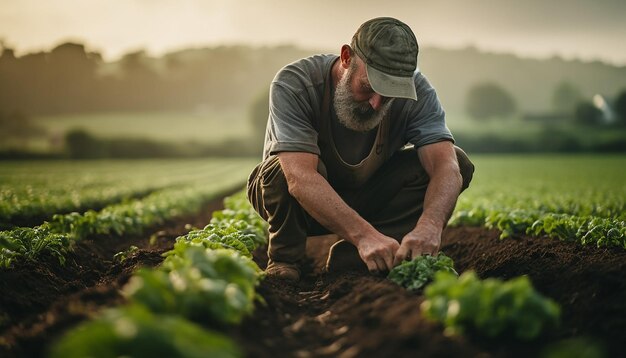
322, 202
440, 162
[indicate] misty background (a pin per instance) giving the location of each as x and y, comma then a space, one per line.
163, 78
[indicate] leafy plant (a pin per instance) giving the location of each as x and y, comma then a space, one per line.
239, 215
489, 307
414, 274
124, 255
134, 331
31, 243
200, 284
229, 236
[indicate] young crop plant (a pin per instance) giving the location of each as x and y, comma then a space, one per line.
217, 236
200, 284
238, 214
414, 274
489, 307
126, 254
32, 243
133, 331
208, 276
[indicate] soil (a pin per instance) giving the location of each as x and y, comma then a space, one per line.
349, 313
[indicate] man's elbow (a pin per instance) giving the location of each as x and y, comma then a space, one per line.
295, 185
458, 179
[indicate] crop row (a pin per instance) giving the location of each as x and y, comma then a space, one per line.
571, 198
207, 282
585, 230
31, 192
467, 304
56, 236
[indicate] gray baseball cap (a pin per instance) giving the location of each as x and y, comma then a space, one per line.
389, 49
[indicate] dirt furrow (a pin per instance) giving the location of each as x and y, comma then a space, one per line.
41, 300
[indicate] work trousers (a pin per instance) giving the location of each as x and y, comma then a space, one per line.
391, 200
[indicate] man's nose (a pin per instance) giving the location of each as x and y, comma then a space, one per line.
376, 101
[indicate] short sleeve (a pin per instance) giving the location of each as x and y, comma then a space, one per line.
425, 117
290, 125
294, 106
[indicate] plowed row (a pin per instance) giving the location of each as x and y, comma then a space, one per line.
343, 314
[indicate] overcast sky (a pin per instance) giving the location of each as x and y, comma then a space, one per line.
584, 29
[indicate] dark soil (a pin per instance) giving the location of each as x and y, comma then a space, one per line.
355, 314
341, 314
40, 300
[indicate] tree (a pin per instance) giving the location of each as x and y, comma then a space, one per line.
587, 113
565, 97
82, 145
619, 106
70, 78
15, 126
488, 100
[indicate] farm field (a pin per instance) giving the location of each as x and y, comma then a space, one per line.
31, 192
203, 125
351, 313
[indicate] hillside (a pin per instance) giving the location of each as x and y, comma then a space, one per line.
70, 80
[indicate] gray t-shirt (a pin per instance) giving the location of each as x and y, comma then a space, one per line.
296, 95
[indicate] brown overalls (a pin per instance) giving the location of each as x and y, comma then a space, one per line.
389, 194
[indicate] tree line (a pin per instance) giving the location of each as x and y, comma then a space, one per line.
487, 100
70, 79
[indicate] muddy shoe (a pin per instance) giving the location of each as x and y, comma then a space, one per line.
344, 256
283, 271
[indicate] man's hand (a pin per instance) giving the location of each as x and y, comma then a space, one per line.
323, 203
440, 163
378, 252
425, 239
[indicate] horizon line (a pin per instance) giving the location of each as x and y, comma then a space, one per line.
200, 46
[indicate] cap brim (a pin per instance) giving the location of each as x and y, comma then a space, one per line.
391, 86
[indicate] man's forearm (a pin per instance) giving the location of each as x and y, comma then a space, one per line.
441, 196
323, 203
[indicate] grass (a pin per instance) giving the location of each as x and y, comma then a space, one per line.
203, 126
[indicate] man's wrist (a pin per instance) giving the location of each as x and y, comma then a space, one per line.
361, 232
430, 221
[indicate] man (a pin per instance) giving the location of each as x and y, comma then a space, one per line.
357, 145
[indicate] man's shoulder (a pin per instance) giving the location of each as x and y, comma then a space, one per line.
421, 82
315, 62
309, 70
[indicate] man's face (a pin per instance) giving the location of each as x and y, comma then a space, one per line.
358, 107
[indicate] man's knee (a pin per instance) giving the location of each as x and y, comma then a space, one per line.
267, 186
466, 167
272, 183
268, 182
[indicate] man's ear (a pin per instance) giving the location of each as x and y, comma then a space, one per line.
346, 56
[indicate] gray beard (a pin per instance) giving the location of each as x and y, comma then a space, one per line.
357, 116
